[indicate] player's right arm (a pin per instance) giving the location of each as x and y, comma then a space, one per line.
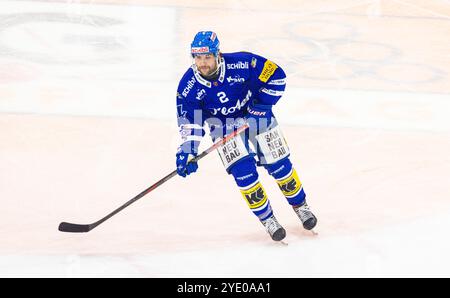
190, 124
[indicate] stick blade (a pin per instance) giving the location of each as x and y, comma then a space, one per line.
73, 228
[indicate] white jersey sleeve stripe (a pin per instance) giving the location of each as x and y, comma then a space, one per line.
272, 92
277, 82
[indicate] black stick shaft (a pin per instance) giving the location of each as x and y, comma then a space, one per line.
67, 227
143, 193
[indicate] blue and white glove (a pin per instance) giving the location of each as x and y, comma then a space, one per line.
259, 116
183, 167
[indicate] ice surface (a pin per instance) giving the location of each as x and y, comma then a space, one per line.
87, 121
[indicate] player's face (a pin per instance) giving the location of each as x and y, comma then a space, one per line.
206, 64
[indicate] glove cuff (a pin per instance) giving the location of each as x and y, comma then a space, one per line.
259, 110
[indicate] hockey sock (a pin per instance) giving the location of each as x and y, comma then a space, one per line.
246, 177
288, 181
257, 200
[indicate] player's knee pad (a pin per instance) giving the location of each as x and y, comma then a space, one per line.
280, 168
234, 151
272, 146
244, 172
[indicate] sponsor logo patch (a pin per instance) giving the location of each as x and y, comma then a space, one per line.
199, 50
189, 86
268, 70
253, 63
291, 185
200, 94
237, 107
235, 79
238, 65
255, 196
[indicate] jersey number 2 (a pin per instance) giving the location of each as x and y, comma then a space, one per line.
222, 97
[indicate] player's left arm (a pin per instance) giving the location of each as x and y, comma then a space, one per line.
272, 81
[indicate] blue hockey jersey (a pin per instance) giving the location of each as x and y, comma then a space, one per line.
243, 77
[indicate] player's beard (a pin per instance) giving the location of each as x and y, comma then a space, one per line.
206, 71
209, 72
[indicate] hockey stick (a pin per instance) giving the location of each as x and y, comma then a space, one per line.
80, 228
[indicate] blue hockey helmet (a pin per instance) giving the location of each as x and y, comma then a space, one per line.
205, 42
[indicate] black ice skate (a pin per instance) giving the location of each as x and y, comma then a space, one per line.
308, 219
275, 230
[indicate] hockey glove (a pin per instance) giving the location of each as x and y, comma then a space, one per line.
184, 167
259, 116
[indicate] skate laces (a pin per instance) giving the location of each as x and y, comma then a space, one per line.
304, 212
271, 225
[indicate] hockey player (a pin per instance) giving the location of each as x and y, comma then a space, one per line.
226, 90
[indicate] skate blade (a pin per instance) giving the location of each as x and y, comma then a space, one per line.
314, 233
284, 243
